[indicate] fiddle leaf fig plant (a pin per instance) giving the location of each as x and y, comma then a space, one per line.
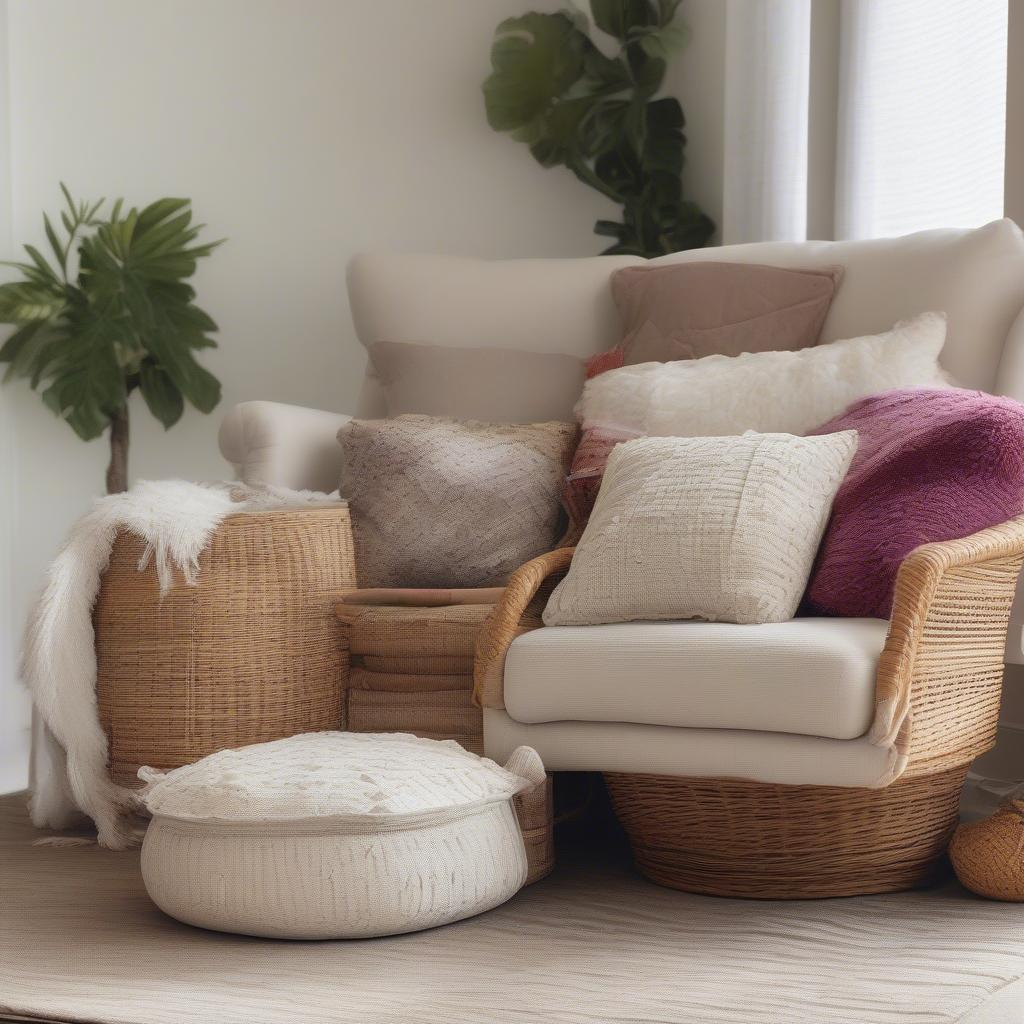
580, 89
109, 310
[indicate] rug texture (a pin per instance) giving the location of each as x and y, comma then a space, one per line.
592, 944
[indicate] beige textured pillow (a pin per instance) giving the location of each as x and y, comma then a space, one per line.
498, 385
717, 528
443, 503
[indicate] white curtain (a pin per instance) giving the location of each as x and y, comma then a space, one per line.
920, 116
766, 102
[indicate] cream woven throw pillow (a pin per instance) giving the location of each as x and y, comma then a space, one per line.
717, 528
443, 503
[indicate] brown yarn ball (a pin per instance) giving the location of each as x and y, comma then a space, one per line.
988, 856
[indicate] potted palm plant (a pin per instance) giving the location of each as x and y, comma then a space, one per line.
110, 311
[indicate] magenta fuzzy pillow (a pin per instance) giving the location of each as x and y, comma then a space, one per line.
931, 465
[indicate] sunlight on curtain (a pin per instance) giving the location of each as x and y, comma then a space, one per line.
922, 115
764, 195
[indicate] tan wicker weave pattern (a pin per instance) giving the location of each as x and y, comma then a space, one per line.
987, 854
412, 672
516, 613
251, 653
727, 837
940, 675
436, 714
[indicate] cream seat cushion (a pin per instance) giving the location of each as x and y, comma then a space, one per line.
774, 757
813, 677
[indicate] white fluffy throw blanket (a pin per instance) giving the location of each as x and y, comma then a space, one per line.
69, 757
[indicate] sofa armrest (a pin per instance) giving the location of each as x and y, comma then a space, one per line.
283, 445
517, 612
940, 674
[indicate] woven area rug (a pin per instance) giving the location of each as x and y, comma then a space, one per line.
594, 943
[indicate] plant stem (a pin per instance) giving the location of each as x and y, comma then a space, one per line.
117, 469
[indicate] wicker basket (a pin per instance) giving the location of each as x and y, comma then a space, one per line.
252, 652
412, 670
988, 855
728, 837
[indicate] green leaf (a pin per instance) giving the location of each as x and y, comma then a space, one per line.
188, 316
51, 399
198, 385
164, 237
32, 273
605, 75
85, 382
39, 260
23, 302
162, 397
664, 141
536, 59
648, 72
604, 126
55, 244
558, 139
159, 211
69, 200
665, 43
19, 351
667, 10
619, 17
609, 228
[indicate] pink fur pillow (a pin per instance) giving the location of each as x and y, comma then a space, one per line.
931, 465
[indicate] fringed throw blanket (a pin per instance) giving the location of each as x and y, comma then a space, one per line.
176, 519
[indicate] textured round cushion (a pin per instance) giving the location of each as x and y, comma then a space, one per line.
335, 835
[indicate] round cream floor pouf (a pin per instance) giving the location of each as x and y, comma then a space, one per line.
332, 835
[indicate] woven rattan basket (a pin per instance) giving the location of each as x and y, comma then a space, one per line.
251, 652
988, 855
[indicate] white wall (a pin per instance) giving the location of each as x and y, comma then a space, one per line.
14, 707
304, 130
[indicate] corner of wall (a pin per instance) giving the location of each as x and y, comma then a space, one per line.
13, 729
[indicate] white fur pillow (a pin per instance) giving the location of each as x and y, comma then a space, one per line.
717, 528
787, 392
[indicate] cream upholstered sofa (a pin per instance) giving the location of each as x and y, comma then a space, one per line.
813, 757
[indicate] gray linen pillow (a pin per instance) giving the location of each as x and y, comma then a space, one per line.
496, 385
444, 503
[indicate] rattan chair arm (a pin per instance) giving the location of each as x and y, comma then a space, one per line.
940, 674
517, 612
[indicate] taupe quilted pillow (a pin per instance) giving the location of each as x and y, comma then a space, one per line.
443, 503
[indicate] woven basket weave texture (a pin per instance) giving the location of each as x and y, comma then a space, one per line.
252, 652
988, 855
412, 670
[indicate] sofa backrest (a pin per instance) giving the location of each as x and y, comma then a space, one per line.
565, 305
